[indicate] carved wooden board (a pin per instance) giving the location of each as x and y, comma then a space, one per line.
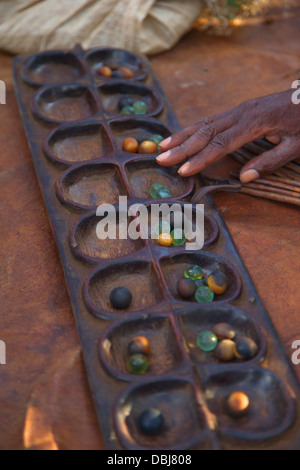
75, 133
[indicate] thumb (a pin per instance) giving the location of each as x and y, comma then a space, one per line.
268, 162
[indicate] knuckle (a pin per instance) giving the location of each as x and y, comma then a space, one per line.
208, 131
220, 142
250, 115
249, 106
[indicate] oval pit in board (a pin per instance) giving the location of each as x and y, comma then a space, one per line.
52, 67
198, 318
88, 186
98, 57
140, 277
69, 144
64, 103
137, 127
211, 228
272, 407
184, 422
87, 246
111, 93
165, 356
173, 268
142, 174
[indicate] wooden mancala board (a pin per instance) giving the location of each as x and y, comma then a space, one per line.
75, 133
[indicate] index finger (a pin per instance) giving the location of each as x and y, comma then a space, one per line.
223, 144
180, 137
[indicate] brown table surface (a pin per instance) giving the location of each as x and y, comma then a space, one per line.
45, 402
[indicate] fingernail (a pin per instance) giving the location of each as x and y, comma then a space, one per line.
163, 156
166, 141
182, 170
249, 175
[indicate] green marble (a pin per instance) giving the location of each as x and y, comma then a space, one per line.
194, 272
140, 107
204, 294
178, 236
156, 138
207, 341
138, 364
164, 193
155, 188
127, 110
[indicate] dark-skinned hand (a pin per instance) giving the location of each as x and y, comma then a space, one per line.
274, 117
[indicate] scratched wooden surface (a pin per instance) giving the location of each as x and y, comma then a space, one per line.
44, 397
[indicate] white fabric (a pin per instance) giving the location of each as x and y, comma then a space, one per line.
142, 26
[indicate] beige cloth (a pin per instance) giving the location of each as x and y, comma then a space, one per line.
142, 26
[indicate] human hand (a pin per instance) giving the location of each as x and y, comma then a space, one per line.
274, 117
